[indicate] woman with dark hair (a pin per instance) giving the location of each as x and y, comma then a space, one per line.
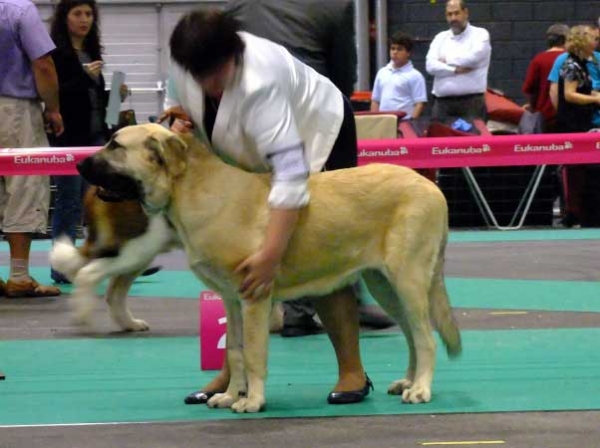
265, 111
83, 100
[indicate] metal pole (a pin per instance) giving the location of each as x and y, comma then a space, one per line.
381, 14
362, 43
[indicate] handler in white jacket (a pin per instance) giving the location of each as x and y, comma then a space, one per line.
265, 111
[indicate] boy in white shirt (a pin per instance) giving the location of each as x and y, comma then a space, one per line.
399, 86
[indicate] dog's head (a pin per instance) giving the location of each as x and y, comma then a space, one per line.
140, 163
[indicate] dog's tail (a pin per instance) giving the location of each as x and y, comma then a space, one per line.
66, 258
439, 307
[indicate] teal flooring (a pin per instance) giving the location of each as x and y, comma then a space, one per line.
134, 380
544, 295
96, 380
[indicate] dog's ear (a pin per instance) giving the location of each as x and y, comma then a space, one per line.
171, 153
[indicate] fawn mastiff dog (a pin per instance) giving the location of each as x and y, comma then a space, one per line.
384, 222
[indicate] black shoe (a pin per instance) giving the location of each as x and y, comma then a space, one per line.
307, 328
570, 220
151, 271
374, 317
198, 397
59, 279
353, 396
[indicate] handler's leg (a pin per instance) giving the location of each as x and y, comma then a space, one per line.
339, 314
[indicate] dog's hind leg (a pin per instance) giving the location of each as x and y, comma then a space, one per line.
412, 284
256, 343
382, 291
116, 298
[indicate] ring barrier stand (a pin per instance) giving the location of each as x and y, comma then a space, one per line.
486, 151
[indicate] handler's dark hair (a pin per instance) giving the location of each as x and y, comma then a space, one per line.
402, 39
205, 39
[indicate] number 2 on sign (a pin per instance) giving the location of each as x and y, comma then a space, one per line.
223, 339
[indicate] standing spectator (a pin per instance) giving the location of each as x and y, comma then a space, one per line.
320, 34
593, 68
577, 103
399, 86
459, 60
264, 110
576, 100
27, 75
75, 30
536, 85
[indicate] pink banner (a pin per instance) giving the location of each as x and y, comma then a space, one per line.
438, 152
213, 331
46, 161
506, 150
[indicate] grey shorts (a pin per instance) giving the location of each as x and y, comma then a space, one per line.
24, 200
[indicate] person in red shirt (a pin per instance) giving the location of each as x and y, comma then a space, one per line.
536, 85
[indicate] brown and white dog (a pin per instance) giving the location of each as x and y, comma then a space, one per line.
121, 242
384, 222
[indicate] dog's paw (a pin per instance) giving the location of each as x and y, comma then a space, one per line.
82, 318
250, 405
417, 394
136, 325
398, 387
222, 401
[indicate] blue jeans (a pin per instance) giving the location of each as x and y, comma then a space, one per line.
68, 207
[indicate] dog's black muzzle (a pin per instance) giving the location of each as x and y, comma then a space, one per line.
116, 186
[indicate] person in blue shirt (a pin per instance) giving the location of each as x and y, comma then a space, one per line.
593, 67
399, 86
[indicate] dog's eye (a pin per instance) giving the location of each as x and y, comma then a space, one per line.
113, 144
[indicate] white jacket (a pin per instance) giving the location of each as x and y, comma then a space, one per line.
275, 102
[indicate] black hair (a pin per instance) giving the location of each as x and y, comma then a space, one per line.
403, 39
205, 39
60, 33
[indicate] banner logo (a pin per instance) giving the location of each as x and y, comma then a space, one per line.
44, 160
471, 150
401, 151
553, 147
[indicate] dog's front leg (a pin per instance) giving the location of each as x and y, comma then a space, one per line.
116, 298
237, 382
256, 342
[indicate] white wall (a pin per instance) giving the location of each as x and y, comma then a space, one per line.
135, 36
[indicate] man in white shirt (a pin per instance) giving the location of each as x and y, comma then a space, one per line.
459, 60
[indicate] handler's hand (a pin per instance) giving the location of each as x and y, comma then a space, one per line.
259, 270
174, 113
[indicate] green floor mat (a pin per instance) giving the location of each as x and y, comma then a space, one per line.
456, 236
483, 236
132, 380
547, 295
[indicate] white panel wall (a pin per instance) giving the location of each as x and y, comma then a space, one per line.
135, 36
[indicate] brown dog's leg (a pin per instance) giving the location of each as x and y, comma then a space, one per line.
339, 314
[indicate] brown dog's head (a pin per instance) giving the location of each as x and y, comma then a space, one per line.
139, 162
